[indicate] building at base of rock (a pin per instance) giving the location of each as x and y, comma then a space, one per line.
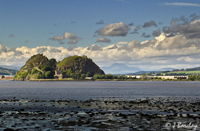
58, 74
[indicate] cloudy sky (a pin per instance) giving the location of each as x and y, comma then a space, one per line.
139, 33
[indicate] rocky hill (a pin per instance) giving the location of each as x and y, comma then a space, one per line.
78, 65
40, 67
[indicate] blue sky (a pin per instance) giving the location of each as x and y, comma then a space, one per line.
33, 22
36, 23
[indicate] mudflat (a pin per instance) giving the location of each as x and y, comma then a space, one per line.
158, 113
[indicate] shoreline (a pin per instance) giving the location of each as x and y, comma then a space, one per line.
100, 80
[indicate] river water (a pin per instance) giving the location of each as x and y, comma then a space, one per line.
83, 90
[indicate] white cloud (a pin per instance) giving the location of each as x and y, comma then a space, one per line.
59, 38
122, 43
144, 42
104, 40
181, 4
3, 48
188, 59
189, 30
162, 51
73, 39
70, 36
115, 29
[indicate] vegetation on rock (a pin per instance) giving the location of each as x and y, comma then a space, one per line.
78, 66
40, 67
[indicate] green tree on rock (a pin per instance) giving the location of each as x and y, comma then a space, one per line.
48, 74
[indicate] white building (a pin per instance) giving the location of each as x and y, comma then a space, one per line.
134, 76
169, 77
161, 77
88, 78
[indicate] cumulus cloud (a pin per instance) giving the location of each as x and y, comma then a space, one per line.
135, 29
113, 47
100, 22
73, 39
150, 23
130, 46
122, 42
182, 26
54, 50
156, 32
104, 40
131, 24
193, 17
70, 36
145, 35
176, 51
3, 48
41, 50
177, 42
70, 48
94, 47
59, 38
115, 29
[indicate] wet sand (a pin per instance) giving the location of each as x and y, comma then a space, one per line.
111, 114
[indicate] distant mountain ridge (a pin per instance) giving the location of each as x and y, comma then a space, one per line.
119, 68
11, 67
149, 72
5, 71
166, 69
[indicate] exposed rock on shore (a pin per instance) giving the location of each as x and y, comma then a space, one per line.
99, 114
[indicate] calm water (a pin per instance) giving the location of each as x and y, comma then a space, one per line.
97, 89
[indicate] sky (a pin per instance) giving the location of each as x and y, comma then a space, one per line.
146, 34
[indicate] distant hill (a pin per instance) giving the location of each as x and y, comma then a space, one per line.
152, 71
12, 67
170, 71
143, 72
40, 67
187, 71
119, 68
183, 72
193, 69
5, 71
166, 69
